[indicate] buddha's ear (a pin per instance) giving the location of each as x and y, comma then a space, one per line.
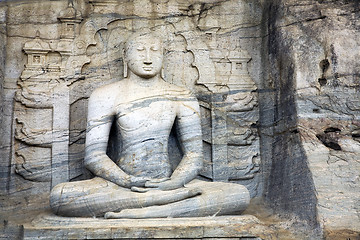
125, 69
125, 74
164, 51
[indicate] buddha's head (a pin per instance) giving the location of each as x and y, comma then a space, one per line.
144, 55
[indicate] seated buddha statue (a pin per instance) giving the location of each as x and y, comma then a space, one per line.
141, 182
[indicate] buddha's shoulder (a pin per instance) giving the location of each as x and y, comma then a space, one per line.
107, 90
176, 90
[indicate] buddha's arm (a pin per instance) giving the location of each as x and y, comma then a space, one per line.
190, 137
100, 117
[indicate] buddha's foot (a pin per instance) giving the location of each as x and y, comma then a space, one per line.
138, 213
167, 197
110, 215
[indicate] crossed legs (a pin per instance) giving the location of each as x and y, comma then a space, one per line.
98, 197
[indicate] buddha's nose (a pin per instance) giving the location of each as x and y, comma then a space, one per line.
147, 59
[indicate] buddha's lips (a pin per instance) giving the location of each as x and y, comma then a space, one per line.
147, 68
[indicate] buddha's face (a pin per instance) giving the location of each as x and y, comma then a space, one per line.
144, 56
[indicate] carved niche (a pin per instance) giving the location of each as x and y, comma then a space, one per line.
54, 87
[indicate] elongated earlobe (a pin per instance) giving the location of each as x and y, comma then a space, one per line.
162, 73
125, 70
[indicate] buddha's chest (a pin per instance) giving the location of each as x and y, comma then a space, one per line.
155, 114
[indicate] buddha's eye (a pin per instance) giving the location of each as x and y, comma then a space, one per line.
154, 48
140, 48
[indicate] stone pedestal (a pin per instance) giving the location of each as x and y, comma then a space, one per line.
49, 226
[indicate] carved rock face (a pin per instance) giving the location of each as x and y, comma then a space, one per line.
144, 55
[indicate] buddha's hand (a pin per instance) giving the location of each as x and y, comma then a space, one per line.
138, 181
141, 186
168, 184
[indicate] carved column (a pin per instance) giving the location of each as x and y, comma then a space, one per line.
60, 145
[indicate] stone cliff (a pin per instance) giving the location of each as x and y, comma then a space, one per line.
277, 81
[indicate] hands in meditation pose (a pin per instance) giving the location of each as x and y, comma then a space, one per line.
141, 183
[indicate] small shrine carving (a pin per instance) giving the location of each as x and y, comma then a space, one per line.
44, 95
230, 110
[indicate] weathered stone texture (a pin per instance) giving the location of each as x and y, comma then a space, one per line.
314, 50
5, 145
294, 144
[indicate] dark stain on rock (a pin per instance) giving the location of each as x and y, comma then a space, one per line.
324, 66
322, 81
334, 60
330, 138
356, 135
332, 129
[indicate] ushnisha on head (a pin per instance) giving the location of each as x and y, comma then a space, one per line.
143, 55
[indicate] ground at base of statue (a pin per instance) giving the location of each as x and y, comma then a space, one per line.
49, 226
